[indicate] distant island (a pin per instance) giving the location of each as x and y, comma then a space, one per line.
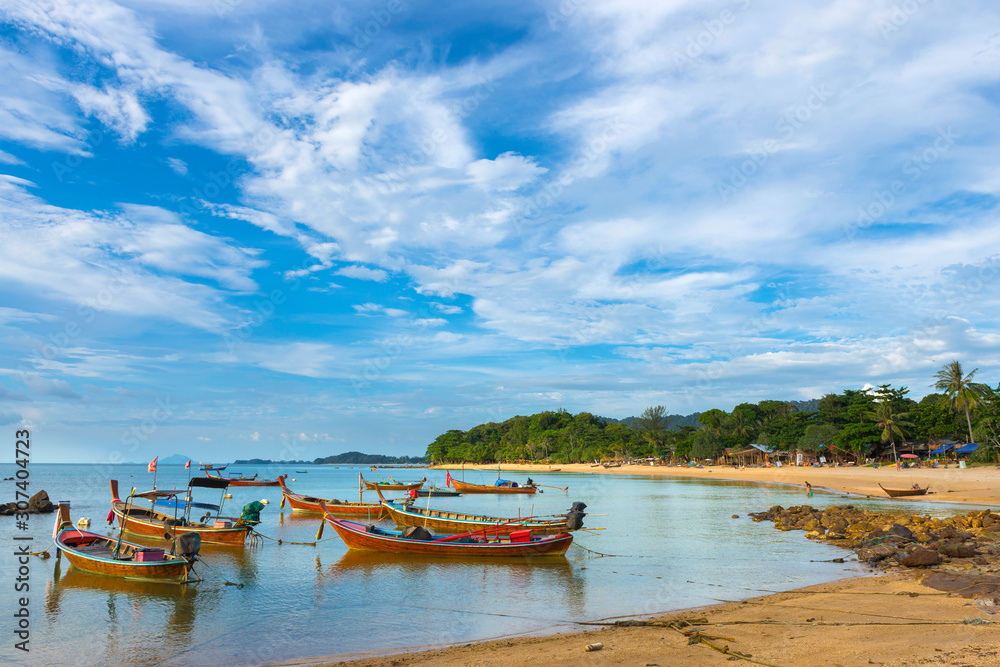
347, 458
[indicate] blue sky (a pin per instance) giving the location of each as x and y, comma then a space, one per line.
232, 228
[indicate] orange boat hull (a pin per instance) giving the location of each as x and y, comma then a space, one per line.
357, 538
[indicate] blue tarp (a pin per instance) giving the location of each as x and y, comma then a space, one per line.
941, 450
966, 449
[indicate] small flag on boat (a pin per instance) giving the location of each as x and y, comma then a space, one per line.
447, 479
188, 464
152, 465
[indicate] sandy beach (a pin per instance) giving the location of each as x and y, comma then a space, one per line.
907, 618
980, 485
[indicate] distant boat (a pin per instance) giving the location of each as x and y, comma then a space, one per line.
115, 557
897, 493
237, 479
501, 486
437, 493
301, 471
393, 486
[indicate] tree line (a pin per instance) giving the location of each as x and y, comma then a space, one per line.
859, 422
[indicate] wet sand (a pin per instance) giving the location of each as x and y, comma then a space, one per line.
882, 620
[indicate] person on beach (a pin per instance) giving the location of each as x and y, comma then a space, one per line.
809, 490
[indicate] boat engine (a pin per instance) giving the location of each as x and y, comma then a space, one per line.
187, 545
574, 518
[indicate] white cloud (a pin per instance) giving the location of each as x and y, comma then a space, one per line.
508, 171
178, 166
86, 259
363, 273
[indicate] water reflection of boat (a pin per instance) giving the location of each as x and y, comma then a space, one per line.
374, 562
71, 587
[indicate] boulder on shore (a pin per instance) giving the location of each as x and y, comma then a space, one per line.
37, 504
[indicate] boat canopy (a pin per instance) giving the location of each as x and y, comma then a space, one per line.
153, 495
180, 504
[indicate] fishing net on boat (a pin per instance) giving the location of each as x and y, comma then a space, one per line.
416, 533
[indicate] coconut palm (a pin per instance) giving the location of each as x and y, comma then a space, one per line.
890, 422
959, 389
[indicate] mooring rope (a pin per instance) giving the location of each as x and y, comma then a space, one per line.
224, 580
602, 554
305, 544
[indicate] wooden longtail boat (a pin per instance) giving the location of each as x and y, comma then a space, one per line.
897, 493
502, 486
239, 480
369, 538
117, 558
300, 503
371, 486
161, 525
453, 522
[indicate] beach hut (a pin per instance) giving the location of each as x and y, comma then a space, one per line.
962, 453
804, 458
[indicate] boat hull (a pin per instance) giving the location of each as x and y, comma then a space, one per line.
72, 544
901, 493
154, 525
357, 538
454, 522
465, 487
443, 493
373, 486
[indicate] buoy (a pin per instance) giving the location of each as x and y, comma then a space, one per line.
84, 521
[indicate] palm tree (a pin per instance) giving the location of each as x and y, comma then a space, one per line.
959, 389
890, 422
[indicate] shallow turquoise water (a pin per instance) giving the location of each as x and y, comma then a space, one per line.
675, 543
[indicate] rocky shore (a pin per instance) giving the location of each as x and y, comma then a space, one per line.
37, 504
891, 539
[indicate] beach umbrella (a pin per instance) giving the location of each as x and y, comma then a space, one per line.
908, 456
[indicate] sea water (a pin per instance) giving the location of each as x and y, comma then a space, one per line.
664, 544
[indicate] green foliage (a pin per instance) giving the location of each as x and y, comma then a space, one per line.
960, 391
855, 420
817, 435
